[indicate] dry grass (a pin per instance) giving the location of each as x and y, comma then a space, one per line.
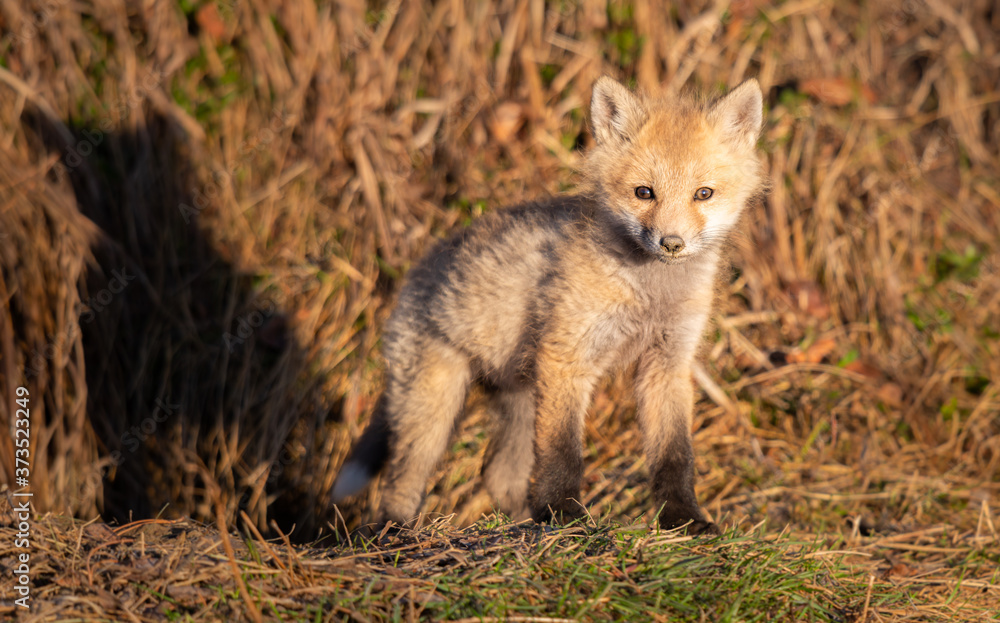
157, 570
205, 210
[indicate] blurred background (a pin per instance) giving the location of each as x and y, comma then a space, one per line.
207, 207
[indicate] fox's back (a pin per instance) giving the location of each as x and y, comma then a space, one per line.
542, 300
635, 253
488, 290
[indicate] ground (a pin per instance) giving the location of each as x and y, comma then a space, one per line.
208, 208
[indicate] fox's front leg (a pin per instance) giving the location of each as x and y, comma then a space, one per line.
666, 402
562, 395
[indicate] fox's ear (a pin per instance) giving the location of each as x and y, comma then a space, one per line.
739, 115
615, 112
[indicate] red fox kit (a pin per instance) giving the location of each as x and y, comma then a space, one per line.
539, 302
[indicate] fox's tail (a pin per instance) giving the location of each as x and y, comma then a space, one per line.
367, 457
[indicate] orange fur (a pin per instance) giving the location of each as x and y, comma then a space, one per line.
540, 301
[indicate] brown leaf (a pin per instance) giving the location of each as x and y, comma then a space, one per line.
745, 361
209, 20
899, 569
69, 580
864, 369
814, 353
890, 394
100, 532
746, 9
104, 598
837, 91
809, 298
191, 594
507, 120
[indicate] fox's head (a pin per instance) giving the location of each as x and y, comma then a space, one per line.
674, 174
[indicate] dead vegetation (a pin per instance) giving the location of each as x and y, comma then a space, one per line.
158, 570
207, 207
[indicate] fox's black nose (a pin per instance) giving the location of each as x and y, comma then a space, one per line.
672, 244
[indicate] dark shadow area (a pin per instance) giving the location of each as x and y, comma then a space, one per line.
189, 365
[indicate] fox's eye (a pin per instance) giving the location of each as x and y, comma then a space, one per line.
644, 192
703, 193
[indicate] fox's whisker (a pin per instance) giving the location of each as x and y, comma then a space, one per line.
540, 301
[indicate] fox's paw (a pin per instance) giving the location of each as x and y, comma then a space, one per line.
697, 527
690, 521
561, 513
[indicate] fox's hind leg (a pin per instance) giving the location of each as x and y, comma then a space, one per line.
424, 394
510, 454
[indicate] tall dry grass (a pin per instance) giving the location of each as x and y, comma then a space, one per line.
207, 207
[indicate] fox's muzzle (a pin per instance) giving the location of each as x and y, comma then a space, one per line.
672, 244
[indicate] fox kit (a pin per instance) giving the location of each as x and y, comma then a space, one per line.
539, 302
